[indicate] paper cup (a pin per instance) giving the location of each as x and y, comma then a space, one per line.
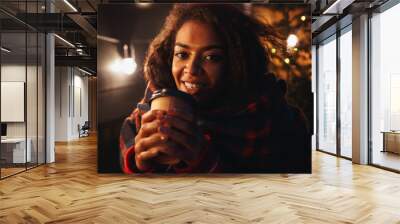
169, 99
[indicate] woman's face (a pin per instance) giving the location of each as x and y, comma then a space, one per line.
198, 60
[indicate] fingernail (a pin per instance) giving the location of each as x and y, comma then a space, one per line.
163, 138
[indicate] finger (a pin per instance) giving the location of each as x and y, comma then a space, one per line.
146, 143
183, 139
184, 126
149, 154
181, 114
155, 152
148, 129
141, 164
151, 115
177, 151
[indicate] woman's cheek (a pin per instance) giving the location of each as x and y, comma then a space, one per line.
176, 72
215, 73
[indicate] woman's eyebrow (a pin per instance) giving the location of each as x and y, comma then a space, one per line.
208, 47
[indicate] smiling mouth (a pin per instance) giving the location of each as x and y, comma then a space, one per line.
194, 87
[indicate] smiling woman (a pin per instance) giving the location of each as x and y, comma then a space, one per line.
199, 59
217, 55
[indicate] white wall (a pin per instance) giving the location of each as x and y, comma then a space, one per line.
33, 126
71, 102
62, 80
13, 73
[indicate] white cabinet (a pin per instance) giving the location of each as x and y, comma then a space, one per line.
391, 142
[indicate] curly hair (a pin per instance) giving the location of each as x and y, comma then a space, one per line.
244, 38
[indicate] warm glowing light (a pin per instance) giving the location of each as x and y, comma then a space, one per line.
125, 66
295, 49
287, 60
273, 50
143, 4
64, 40
70, 5
5, 50
84, 71
292, 40
303, 18
128, 66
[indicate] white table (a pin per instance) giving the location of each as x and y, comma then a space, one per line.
17, 146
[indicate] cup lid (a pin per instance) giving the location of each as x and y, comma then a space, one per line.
173, 92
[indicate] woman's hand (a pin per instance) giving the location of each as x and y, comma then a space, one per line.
149, 140
173, 134
181, 129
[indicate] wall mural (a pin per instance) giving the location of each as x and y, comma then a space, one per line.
204, 88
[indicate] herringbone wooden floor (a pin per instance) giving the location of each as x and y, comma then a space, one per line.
71, 191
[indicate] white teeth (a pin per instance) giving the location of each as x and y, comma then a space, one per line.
191, 85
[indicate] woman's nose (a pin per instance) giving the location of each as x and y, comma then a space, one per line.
194, 66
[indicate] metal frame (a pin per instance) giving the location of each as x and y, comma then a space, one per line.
44, 74
389, 4
380, 9
338, 98
317, 92
369, 78
339, 32
316, 97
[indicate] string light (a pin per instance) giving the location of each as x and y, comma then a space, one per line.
292, 40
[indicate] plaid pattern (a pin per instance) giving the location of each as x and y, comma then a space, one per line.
265, 136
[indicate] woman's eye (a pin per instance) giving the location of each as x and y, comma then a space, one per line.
213, 58
181, 55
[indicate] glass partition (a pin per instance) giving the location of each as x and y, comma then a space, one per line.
41, 87
32, 95
13, 105
346, 93
327, 95
385, 89
22, 88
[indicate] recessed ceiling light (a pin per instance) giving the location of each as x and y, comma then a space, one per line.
70, 5
84, 71
5, 50
65, 41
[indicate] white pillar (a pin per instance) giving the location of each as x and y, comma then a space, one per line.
360, 89
314, 91
50, 93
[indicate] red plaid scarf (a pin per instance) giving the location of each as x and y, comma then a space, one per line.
261, 136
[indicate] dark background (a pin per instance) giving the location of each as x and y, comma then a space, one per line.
119, 94
135, 25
